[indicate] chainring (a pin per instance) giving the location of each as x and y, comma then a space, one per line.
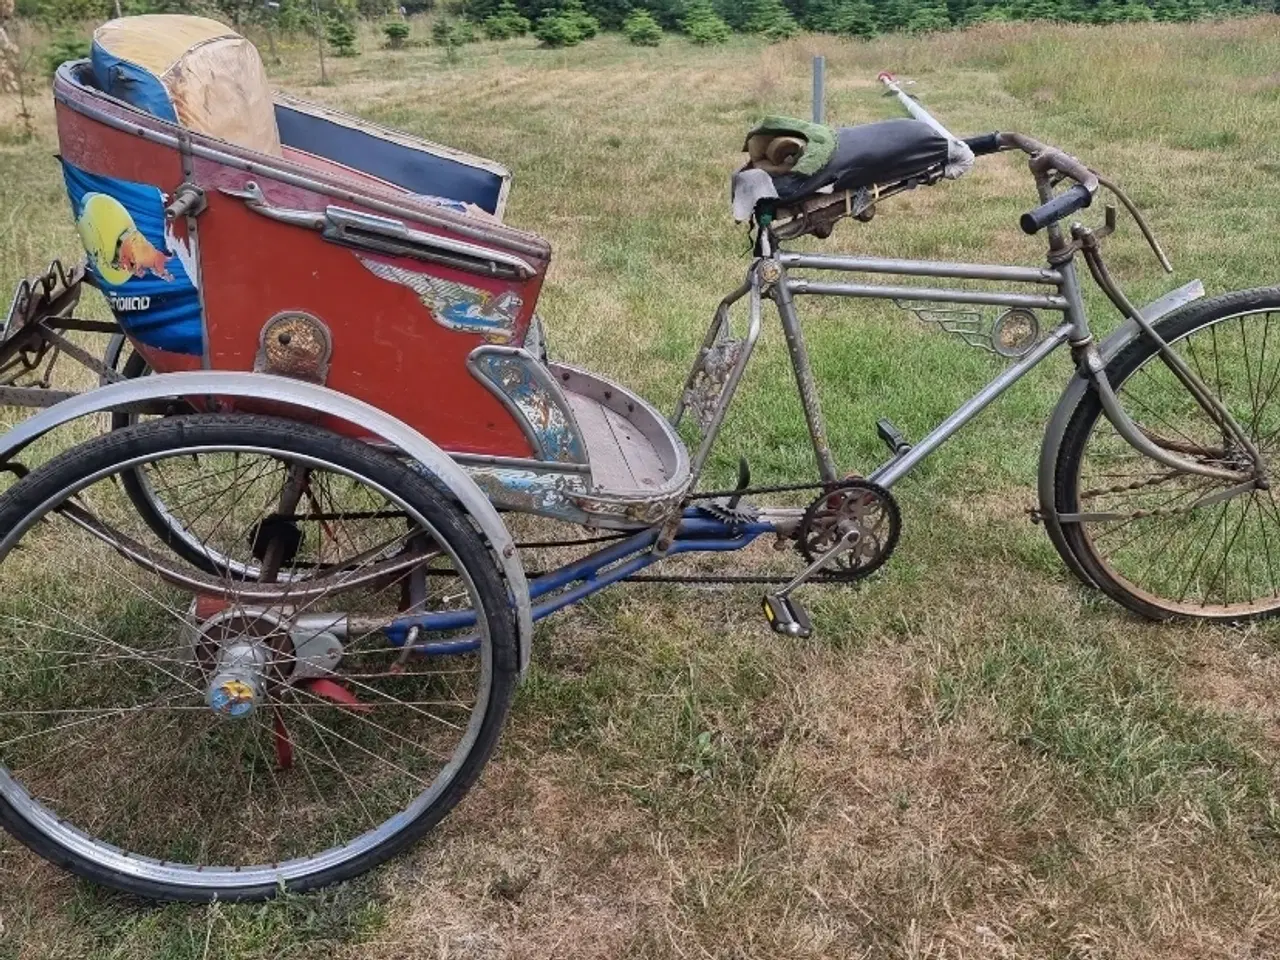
726, 511
851, 504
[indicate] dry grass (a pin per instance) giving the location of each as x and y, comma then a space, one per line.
975, 758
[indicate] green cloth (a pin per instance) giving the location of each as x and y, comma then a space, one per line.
820, 141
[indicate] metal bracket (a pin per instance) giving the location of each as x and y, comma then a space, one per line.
367, 231
188, 201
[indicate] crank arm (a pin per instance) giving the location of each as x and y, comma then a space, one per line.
842, 546
787, 617
1208, 500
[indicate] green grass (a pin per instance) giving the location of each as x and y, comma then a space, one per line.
976, 756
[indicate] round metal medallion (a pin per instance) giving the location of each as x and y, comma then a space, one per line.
1015, 332
295, 344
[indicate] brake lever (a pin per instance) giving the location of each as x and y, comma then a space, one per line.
1134, 212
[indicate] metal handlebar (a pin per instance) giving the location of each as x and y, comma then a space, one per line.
1044, 159
1064, 204
984, 143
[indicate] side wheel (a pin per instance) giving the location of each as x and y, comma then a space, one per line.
141, 484
1158, 540
185, 736
140, 489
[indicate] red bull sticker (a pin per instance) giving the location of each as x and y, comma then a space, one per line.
147, 274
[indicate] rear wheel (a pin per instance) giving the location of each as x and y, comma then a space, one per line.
142, 483
1156, 546
182, 735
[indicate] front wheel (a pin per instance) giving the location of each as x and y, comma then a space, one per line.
1159, 542
185, 735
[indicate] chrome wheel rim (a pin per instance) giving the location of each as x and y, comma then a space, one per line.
40, 813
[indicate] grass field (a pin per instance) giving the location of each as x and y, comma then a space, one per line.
974, 757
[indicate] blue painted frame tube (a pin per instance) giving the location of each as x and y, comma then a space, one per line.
581, 578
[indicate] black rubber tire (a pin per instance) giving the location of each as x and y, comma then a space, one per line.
1079, 427
155, 436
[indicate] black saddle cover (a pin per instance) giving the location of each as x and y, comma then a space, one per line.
881, 152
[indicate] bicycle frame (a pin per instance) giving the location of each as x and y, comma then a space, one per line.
1059, 292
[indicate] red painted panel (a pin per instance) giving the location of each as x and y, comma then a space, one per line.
97, 148
388, 350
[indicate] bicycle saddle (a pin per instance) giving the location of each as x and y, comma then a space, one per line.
870, 153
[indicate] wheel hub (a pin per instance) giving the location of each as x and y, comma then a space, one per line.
239, 653
238, 684
244, 652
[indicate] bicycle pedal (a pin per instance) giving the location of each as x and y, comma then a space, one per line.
893, 438
786, 616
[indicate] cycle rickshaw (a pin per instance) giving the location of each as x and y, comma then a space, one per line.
280, 591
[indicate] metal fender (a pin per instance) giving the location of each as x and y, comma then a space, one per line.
260, 386
1075, 390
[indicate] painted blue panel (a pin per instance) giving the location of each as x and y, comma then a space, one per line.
122, 226
524, 382
132, 84
405, 166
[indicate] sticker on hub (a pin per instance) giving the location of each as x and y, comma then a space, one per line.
233, 698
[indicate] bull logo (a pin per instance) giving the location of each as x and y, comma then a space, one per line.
115, 245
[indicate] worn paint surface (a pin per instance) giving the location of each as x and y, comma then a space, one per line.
454, 305
646, 510
528, 387
529, 491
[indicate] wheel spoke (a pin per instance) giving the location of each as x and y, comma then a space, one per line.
1168, 554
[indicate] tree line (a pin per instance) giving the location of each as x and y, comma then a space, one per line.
868, 17
704, 21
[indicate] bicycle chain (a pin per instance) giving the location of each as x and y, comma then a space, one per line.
829, 580
725, 579
1126, 487
1038, 517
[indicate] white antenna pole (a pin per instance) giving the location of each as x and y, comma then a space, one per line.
913, 106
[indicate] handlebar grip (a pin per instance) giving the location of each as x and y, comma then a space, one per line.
1064, 204
983, 144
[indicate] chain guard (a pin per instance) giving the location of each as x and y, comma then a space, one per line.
858, 504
